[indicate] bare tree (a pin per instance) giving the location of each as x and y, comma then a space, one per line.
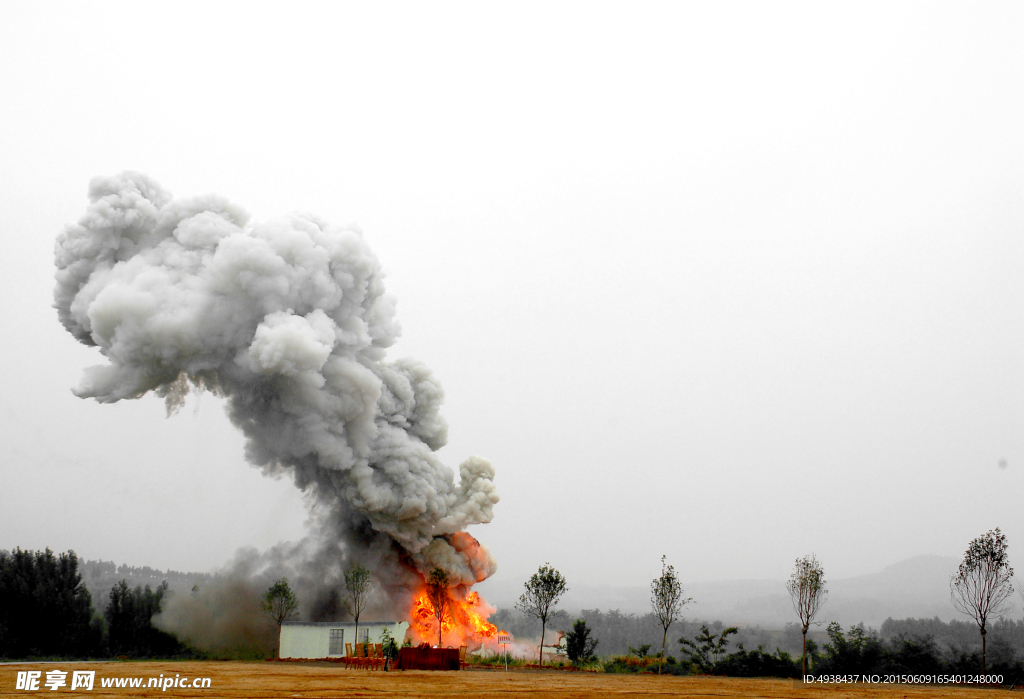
281, 604
358, 586
542, 592
982, 583
437, 591
667, 601
807, 591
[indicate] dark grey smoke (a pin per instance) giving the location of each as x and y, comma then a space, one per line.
289, 321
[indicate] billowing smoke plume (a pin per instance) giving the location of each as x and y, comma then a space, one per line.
288, 320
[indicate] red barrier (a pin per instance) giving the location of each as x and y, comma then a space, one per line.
428, 659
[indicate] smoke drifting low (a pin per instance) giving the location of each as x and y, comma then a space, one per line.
289, 321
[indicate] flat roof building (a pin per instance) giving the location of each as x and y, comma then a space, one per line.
327, 639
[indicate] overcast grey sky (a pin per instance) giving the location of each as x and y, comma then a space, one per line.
728, 282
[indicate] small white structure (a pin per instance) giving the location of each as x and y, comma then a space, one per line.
327, 639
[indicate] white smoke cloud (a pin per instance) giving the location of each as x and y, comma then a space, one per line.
288, 319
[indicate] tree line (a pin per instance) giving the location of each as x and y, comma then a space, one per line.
46, 611
99, 576
619, 631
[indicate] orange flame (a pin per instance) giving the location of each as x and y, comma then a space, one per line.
464, 623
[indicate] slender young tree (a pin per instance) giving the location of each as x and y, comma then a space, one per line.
982, 584
667, 601
358, 586
807, 591
437, 592
281, 604
705, 647
543, 590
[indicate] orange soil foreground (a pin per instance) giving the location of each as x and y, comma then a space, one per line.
308, 680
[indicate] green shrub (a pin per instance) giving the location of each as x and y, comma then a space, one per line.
758, 664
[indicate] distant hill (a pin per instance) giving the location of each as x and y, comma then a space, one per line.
100, 576
916, 587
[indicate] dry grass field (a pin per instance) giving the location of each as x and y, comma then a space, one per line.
309, 680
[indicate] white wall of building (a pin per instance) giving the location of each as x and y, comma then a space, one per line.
311, 639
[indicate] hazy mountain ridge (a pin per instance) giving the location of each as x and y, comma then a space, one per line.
917, 587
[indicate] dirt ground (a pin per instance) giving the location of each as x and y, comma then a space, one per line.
309, 680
